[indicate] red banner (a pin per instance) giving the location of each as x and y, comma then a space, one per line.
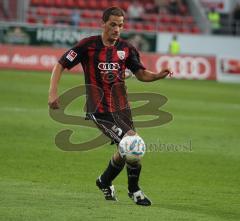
230, 66
30, 58
183, 66
42, 58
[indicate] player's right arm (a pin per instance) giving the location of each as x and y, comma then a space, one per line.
53, 101
69, 59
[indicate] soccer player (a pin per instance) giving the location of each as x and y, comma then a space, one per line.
104, 59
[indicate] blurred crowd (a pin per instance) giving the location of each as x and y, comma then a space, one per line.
137, 11
225, 23
236, 20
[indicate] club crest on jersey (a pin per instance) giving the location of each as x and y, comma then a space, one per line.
71, 55
121, 54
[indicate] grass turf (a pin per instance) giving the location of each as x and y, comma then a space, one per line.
199, 182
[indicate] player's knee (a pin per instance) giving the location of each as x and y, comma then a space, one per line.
134, 164
118, 159
130, 133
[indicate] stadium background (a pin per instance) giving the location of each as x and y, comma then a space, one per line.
192, 173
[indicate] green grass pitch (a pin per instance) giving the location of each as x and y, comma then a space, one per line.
38, 181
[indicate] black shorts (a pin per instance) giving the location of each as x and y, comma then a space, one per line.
114, 125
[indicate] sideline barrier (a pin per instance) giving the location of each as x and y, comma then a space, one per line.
29, 58
228, 69
43, 59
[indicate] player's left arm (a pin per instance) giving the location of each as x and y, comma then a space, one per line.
147, 76
133, 62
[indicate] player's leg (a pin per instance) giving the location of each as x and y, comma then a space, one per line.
104, 182
116, 127
134, 191
107, 125
133, 173
124, 120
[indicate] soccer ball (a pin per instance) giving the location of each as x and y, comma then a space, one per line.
132, 147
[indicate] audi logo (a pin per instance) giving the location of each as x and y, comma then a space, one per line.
185, 67
108, 66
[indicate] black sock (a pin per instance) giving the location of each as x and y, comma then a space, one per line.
133, 173
111, 172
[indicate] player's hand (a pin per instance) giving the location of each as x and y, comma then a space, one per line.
166, 72
53, 102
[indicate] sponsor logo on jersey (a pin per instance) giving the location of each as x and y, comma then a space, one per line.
71, 55
104, 66
121, 54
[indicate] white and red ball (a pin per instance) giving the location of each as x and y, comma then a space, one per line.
132, 147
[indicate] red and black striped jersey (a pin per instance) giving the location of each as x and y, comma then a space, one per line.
104, 69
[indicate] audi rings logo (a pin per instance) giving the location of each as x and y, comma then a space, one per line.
108, 66
186, 67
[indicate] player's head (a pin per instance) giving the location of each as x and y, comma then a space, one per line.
113, 19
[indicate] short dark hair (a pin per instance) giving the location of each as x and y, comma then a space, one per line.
112, 11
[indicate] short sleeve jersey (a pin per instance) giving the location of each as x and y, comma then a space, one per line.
104, 70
